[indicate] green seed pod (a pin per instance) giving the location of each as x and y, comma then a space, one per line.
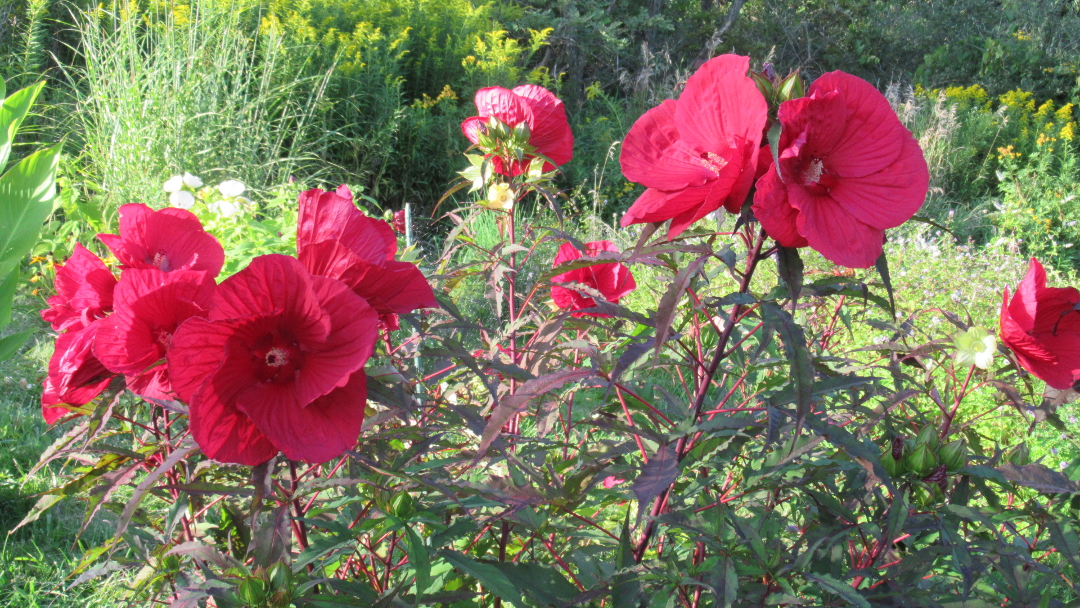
890, 465
922, 461
791, 87
402, 505
253, 592
953, 454
929, 437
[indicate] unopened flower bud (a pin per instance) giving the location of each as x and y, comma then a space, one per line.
953, 454
928, 436
922, 460
891, 466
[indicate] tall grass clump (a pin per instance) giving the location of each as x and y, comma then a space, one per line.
190, 89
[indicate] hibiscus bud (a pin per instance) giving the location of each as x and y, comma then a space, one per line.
791, 87
399, 221
402, 505
765, 85
891, 466
253, 592
898, 447
922, 460
954, 454
1019, 455
928, 437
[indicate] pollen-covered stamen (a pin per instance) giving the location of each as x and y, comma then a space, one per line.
161, 261
164, 338
813, 172
712, 161
277, 357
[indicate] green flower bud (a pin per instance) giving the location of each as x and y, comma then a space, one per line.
891, 466
402, 505
253, 592
953, 454
928, 437
922, 460
791, 87
765, 86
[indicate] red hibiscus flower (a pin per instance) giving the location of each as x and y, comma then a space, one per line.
1042, 327
399, 221
537, 107
699, 153
76, 376
84, 292
336, 240
611, 280
170, 239
278, 364
848, 170
150, 305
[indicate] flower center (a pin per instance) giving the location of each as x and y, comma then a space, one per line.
164, 338
160, 261
813, 172
712, 161
277, 358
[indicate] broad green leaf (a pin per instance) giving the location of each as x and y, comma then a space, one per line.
26, 194
10, 344
7, 296
12, 114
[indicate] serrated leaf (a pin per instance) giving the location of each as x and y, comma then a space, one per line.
802, 367
656, 476
519, 401
845, 591
790, 268
1039, 477
493, 579
668, 307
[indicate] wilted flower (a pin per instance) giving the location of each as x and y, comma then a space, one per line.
610, 280
699, 153
76, 376
534, 106
84, 292
1041, 325
975, 346
847, 170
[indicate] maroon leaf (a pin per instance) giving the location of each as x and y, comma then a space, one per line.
519, 401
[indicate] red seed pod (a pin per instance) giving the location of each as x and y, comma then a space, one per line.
898, 447
939, 476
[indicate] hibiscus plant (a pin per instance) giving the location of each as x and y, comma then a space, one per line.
695, 414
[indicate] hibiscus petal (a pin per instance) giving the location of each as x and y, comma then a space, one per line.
273, 284
889, 197
224, 433
1024, 306
772, 209
719, 103
329, 216
873, 136
323, 429
196, 354
347, 347
84, 287
550, 131
567, 252
504, 105
834, 232
654, 155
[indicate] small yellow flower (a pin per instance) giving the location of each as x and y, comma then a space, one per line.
499, 196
